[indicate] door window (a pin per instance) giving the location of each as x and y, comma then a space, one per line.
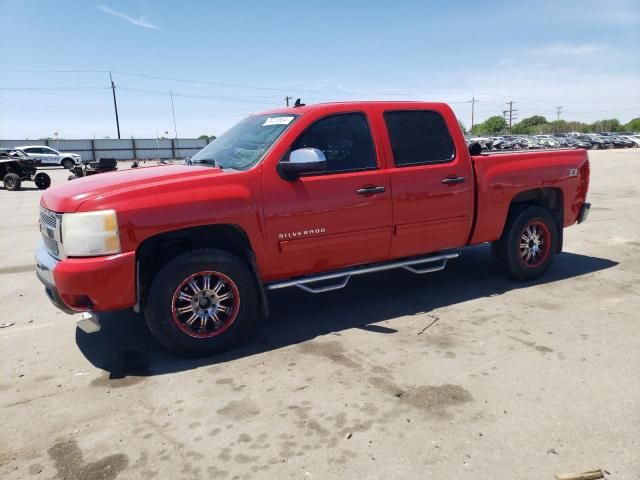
345, 140
419, 137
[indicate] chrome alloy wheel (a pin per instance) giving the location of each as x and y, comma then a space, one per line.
534, 244
205, 304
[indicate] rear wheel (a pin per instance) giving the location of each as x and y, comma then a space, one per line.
528, 244
202, 302
68, 163
42, 180
12, 181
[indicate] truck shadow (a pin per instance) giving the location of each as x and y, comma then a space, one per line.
124, 346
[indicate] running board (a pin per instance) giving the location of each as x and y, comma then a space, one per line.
415, 265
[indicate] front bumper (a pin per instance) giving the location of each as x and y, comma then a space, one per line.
584, 212
95, 284
45, 265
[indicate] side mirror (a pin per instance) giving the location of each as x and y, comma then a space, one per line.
475, 149
303, 160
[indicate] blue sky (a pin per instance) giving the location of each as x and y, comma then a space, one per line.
224, 60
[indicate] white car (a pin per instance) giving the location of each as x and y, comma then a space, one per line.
632, 138
48, 156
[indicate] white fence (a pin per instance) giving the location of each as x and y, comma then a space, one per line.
122, 149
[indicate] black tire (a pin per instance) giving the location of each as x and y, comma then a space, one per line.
42, 180
68, 163
12, 182
510, 254
595, 146
171, 329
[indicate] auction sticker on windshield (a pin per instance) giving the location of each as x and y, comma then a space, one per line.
277, 121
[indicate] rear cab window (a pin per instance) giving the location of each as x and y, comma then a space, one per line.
419, 137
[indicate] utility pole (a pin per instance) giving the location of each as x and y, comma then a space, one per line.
287, 98
558, 111
474, 100
511, 113
115, 104
173, 112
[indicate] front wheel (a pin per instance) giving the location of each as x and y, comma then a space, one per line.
202, 302
42, 180
528, 243
68, 163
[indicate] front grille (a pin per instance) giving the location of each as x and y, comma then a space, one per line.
50, 228
52, 246
48, 218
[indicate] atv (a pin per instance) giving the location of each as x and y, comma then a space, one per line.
87, 168
16, 167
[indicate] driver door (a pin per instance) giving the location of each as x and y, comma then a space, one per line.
332, 219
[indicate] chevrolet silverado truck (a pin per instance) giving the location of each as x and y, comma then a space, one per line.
304, 197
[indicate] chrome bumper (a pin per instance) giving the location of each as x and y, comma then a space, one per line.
45, 264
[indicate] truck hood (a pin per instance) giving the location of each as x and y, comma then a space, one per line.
71, 195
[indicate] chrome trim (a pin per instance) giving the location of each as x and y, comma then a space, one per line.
344, 276
51, 230
45, 264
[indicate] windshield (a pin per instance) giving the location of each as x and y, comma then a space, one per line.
244, 145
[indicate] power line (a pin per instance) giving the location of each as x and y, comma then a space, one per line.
55, 88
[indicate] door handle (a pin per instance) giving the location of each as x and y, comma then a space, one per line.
370, 190
453, 180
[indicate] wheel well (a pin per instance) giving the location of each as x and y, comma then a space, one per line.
549, 198
156, 251
66, 158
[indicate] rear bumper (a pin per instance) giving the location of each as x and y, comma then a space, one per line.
584, 212
95, 284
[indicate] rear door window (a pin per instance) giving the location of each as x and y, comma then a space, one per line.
419, 137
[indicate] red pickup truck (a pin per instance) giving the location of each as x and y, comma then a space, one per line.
301, 197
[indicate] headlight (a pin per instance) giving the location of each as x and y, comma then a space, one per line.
89, 234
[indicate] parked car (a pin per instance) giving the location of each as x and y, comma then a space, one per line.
298, 197
575, 142
635, 139
620, 142
48, 156
596, 141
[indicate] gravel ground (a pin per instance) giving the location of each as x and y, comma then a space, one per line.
458, 374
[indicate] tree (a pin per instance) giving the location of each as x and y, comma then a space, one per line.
491, 126
530, 124
607, 125
207, 137
633, 125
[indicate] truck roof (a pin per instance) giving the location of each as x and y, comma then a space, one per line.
394, 104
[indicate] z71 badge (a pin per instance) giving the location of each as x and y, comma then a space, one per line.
573, 172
